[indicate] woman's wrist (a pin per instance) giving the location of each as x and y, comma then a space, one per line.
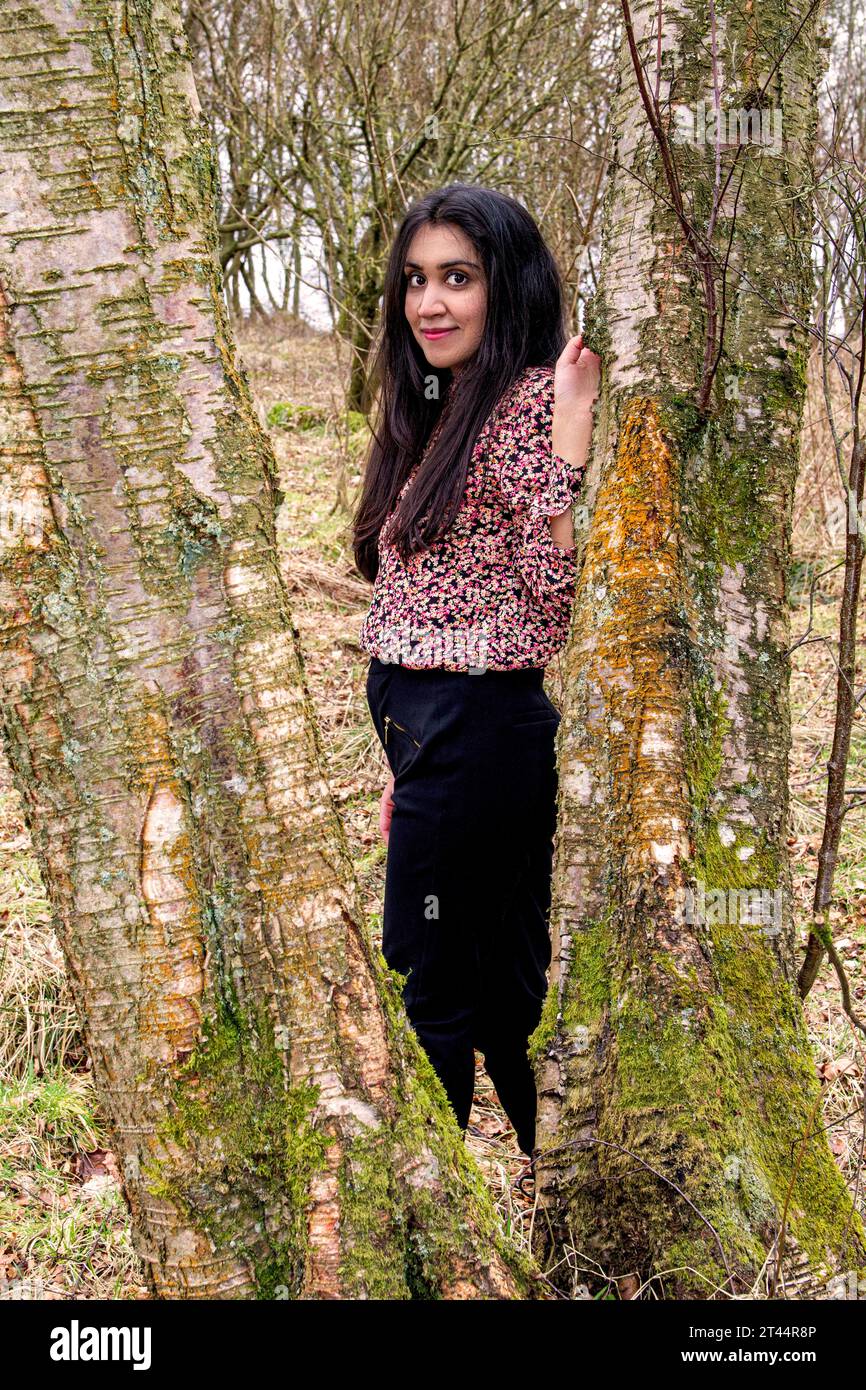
571, 434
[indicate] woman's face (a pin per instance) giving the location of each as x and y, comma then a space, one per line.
446, 294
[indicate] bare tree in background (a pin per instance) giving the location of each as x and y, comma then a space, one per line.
841, 331
359, 108
247, 77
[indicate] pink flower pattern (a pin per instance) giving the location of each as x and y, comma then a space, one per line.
496, 591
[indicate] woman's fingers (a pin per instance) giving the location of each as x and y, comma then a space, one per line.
577, 377
572, 349
386, 805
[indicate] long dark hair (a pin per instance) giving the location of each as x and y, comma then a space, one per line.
524, 327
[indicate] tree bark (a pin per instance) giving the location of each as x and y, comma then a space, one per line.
280, 1131
678, 1093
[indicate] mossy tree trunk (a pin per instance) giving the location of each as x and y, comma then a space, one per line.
357, 321
279, 1129
679, 1110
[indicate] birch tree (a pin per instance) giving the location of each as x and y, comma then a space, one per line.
280, 1132
679, 1112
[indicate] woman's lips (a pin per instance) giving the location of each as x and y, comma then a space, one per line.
433, 333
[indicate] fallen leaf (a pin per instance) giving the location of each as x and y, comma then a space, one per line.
839, 1066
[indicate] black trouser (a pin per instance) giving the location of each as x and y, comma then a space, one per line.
467, 884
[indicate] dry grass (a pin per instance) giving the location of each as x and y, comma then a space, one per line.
64, 1229
66, 1226
819, 544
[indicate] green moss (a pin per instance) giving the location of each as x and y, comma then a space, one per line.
690, 1266
589, 974
596, 329
545, 1032
720, 866
240, 448
722, 1087
586, 988
723, 490
372, 1265
704, 736
285, 415
714, 1088
307, 418
683, 423
249, 1136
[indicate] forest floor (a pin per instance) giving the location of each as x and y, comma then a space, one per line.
64, 1230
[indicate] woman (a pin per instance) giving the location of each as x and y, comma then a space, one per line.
464, 526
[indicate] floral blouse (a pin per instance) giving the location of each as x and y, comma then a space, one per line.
496, 591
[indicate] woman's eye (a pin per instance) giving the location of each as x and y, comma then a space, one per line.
415, 278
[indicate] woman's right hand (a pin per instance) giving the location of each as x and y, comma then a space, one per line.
575, 387
386, 806
576, 378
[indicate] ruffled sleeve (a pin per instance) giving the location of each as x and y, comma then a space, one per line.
536, 483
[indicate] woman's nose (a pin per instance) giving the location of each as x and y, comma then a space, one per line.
430, 303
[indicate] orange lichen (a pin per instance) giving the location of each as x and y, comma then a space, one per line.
633, 577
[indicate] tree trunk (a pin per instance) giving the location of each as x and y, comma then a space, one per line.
679, 1099
361, 293
280, 1131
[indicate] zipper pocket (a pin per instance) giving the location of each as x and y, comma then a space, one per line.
389, 720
